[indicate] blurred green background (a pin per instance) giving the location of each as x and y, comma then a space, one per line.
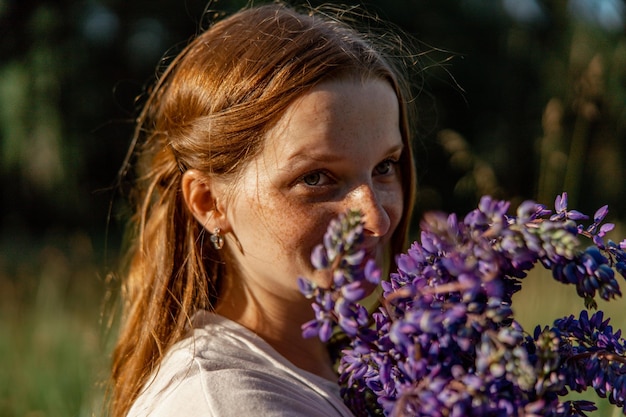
522, 99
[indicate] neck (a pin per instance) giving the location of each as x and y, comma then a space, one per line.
279, 324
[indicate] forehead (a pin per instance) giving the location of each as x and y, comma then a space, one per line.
337, 109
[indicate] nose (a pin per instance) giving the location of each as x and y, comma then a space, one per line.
376, 220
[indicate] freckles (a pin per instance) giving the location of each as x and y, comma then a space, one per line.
284, 220
303, 228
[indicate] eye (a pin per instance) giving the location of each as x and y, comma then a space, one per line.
315, 179
387, 167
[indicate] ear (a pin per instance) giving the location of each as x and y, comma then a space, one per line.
201, 196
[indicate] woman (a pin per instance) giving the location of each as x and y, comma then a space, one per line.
264, 128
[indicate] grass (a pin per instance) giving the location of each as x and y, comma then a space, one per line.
53, 351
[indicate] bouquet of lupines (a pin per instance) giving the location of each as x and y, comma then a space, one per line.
444, 342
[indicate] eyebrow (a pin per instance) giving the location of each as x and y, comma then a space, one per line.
333, 157
309, 156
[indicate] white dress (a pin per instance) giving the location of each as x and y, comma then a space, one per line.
223, 369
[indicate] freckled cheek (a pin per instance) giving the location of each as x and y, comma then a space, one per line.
299, 228
307, 232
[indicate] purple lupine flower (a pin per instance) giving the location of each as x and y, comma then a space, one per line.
562, 213
319, 257
444, 340
306, 287
600, 214
560, 203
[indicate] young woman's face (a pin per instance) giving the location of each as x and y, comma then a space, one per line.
335, 148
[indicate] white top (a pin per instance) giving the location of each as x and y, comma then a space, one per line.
223, 369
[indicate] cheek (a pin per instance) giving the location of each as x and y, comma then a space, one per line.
394, 204
305, 229
297, 228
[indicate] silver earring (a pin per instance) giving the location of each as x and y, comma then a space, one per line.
217, 239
